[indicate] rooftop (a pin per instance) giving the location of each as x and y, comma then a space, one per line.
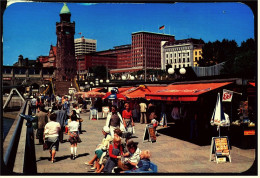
65, 9
153, 33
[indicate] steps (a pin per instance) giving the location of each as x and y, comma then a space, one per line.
62, 87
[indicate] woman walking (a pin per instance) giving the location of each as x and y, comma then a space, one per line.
114, 120
128, 121
51, 134
74, 139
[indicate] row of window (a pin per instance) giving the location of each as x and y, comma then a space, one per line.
181, 66
197, 53
179, 48
175, 61
175, 54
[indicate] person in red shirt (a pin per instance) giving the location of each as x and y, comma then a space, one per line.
128, 121
115, 151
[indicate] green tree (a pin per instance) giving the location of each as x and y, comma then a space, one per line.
245, 63
218, 52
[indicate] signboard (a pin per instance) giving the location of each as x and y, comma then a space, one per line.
227, 95
105, 110
149, 133
249, 132
220, 148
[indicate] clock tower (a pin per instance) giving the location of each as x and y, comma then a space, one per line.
65, 59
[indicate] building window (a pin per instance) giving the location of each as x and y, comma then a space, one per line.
166, 55
166, 61
188, 53
196, 59
179, 54
171, 61
179, 59
199, 58
183, 59
188, 65
188, 59
195, 52
175, 60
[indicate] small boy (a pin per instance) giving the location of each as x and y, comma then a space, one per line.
144, 163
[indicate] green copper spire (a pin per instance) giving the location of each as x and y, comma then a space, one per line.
65, 9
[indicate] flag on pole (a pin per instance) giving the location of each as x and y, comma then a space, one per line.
162, 27
227, 95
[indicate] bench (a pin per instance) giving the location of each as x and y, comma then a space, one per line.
153, 169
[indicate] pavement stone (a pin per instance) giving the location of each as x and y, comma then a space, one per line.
170, 154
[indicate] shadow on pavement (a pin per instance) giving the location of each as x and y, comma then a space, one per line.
181, 132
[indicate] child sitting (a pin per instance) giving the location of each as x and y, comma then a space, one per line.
144, 163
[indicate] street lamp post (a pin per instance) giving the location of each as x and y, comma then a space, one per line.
170, 71
182, 72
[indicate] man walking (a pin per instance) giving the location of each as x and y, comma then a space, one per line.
42, 121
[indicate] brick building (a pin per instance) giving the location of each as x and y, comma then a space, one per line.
65, 59
122, 53
146, 49
49, 61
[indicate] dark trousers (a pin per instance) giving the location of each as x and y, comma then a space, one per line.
40, 135
61, 134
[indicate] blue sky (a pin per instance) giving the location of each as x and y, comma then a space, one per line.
29, 28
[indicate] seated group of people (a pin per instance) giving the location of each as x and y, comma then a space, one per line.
113, 156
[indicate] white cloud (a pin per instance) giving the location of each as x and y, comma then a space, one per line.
87, 4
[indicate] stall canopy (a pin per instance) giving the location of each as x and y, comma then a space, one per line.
92, 94
184, 92
140, 91
252, 83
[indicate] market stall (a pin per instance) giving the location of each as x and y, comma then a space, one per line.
189, 106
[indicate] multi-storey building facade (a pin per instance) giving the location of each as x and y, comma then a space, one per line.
84, 46
197, 54
179, 54
122, 53
146, 49
65, 59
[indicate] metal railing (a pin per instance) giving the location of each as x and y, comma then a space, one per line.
28, 159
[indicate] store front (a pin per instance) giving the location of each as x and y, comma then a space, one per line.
190, 108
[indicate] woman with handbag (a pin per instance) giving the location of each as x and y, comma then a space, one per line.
128, 121
51, 135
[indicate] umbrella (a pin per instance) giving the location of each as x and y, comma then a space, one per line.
112, 96
218, 116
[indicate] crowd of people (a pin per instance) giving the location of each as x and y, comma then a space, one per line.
116, 153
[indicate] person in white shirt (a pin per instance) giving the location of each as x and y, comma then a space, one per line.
143, 118
51, 133
73, 135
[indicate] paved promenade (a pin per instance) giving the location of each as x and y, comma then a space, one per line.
171, 155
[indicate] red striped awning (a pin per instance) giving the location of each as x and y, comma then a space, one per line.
184, 92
